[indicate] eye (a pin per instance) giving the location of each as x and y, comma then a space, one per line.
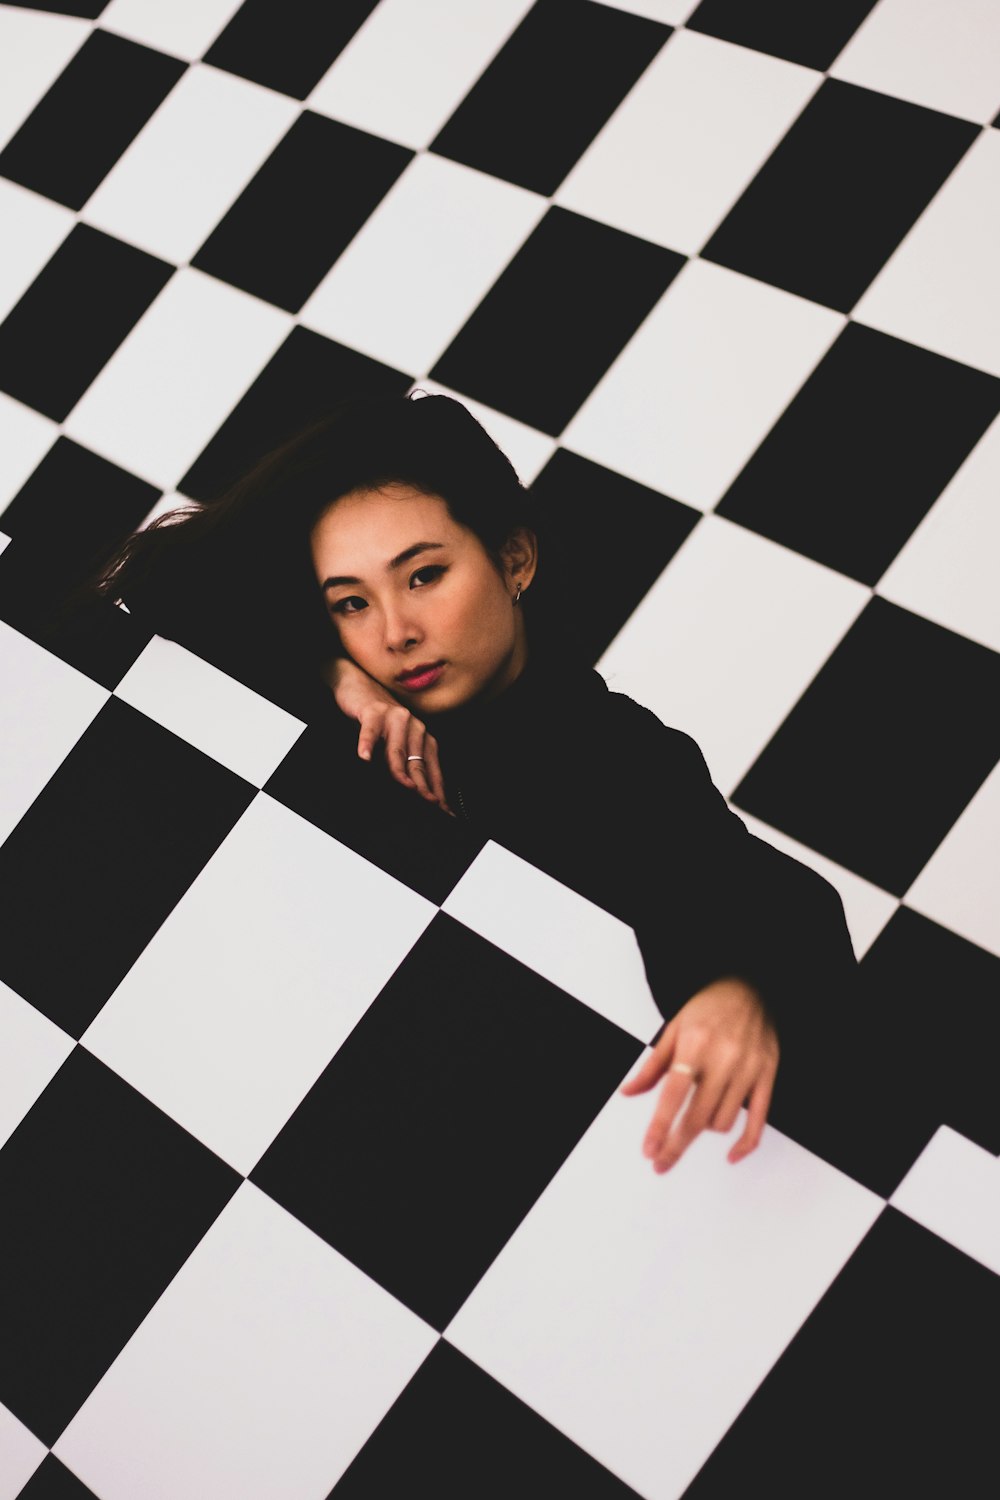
340, 608
434, 569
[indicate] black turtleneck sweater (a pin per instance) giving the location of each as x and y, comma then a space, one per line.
593, 788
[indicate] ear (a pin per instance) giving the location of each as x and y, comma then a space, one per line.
520, 556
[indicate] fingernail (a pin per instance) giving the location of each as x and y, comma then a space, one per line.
365, 754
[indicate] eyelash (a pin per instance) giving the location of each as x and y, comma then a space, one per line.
435, 568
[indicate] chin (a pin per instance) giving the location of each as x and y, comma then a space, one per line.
437, 701
440, 698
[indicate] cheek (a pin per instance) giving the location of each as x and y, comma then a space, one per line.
459, 617
490, 625
357, 643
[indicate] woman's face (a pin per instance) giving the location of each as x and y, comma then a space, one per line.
416, 600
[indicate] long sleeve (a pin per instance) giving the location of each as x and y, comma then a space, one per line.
724, 902
593, 788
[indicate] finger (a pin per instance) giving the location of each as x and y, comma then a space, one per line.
655, 1064
699, 1112
371, 733
434, 776
395, 747
418, 768
672, 1097
733, 1098
374, 727
760, 1102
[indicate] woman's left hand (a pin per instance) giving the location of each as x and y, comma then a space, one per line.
723, 1032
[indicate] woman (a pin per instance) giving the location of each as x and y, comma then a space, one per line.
390, 553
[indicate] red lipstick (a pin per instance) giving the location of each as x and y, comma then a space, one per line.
421, 677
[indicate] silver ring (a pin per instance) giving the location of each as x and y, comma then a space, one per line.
679, 1067
414, 757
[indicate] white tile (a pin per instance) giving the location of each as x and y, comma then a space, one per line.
701, 382
728, 638
953, 1189
35, 47
948, 568
255, 979
177, 375
25, 438
190, 162
210, 709
608, 1308
45, 706
940, 288
687, 139
422, 262
959, 886
528, 449
260, 1373
184, 28
942, 54
20, 1455
867, 908
558, 933
377, 84
32, 1050
33, 229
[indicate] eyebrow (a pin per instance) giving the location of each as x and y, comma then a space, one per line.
396, 562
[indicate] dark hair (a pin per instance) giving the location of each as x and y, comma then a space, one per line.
232, 577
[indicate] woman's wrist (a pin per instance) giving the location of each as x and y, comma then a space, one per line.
353, 690
750, 991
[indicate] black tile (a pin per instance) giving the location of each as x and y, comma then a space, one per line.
89, 10
305, 377
549, 90
541, 338
886, 746
92, 112
592, 575
357, 802
104, 1199
882, 1391
101, 857
863, 451
102, 642
73, 317
878, 1078
286, 45
71, 513
432, 1442
839, 192
443, 1116
53, 1481
812, 35
304, 205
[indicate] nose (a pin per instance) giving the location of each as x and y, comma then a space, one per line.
401, 630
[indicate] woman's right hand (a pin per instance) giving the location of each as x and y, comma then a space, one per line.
383, 717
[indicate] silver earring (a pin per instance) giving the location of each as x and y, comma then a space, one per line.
517, 595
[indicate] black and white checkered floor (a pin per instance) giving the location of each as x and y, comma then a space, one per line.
315, 1178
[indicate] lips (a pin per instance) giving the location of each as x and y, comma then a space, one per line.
421, 677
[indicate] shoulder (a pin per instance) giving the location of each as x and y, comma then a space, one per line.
641, 726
